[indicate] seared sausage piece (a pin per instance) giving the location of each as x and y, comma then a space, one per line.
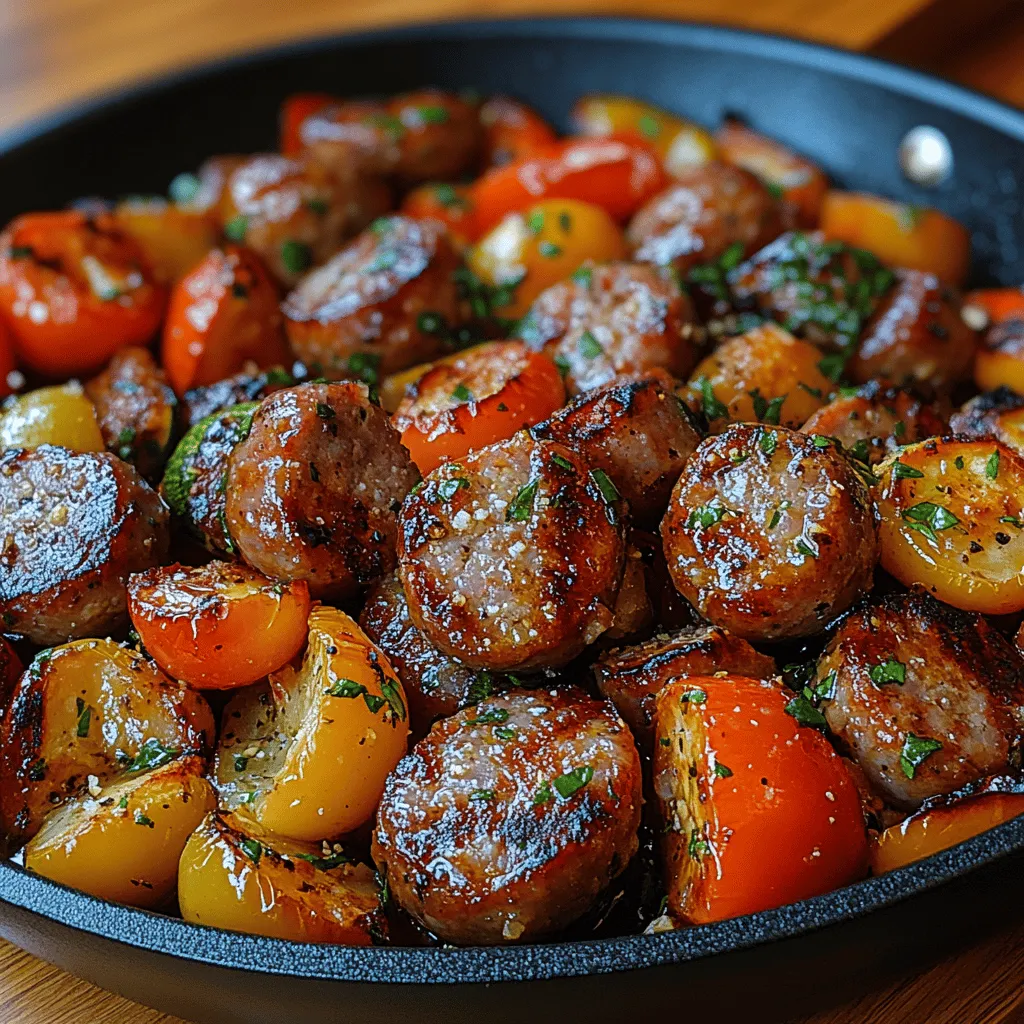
998, 414
428, 135
874, 420
707, 210
632, 677
314, 490
382, 301
770, 532
294, 213
820, 290
436, 685
925, 697
637, 431
135, 410
198, 403
916, 336
508, 820
512, 558
614, 319
74, 527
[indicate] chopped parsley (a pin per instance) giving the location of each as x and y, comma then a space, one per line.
583, 276
992, 465
447, 489
572, 782
589, 346
433, 114
252, 849
324, 411
706, 516
722, 771
236, 228
807, 547
520, 508
803, 710
493, 716
460, 393
549, 250
84, 718
888, 671
767, 411
609, 492
713, 408
561, 460
768, 442
297, 257
141, 819
694, 696
901, 471
483, 795
916, 750
543, 795
698, 846
535, 221
152, 754
926, 517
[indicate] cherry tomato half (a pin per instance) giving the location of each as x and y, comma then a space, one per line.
485, 395
220, 625
74, 289
619, 175
223, 314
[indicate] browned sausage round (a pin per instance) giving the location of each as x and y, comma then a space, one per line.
707, 210
820, 290
74, 527
508, 820
436, 685
614, 319
417, 136
632, 677
135, 410
637, 431
926, 698
872, 421
294, 213
314, 490
770, 532
916, 336
248, 386
512, 558
384, 301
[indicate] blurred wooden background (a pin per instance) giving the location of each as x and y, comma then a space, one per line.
53, 52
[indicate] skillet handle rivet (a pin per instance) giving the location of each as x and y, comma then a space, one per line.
926, 157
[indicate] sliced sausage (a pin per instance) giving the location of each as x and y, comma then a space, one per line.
925, 697
820, 290
294, 213
637, 431
135, 410
314, 490
872, 421
508, 820
512, 558
708, 209
385, 300
632, 677
998, 414
436, 685
248, 386
770, 532
75, 526
916, 336
618, 318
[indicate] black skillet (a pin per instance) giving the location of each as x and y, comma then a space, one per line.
847, 112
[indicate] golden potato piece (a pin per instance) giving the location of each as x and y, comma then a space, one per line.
237, 876
951, 520
306, 754
765, 375
61, 414
123, 842
90, 708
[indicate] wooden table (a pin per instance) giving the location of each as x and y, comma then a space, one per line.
53, 51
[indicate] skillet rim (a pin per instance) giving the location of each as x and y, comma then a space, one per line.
155, 933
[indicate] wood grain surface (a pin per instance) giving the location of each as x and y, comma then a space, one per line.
55, 51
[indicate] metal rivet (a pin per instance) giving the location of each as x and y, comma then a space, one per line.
926, 156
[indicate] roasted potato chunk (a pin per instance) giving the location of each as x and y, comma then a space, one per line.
237, 876
122, 842
90, 708
632, 677
61, 414
764, 375
306, 755
926, 698
770, 533
951, 518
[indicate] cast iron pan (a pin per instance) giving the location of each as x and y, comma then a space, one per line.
848, 113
